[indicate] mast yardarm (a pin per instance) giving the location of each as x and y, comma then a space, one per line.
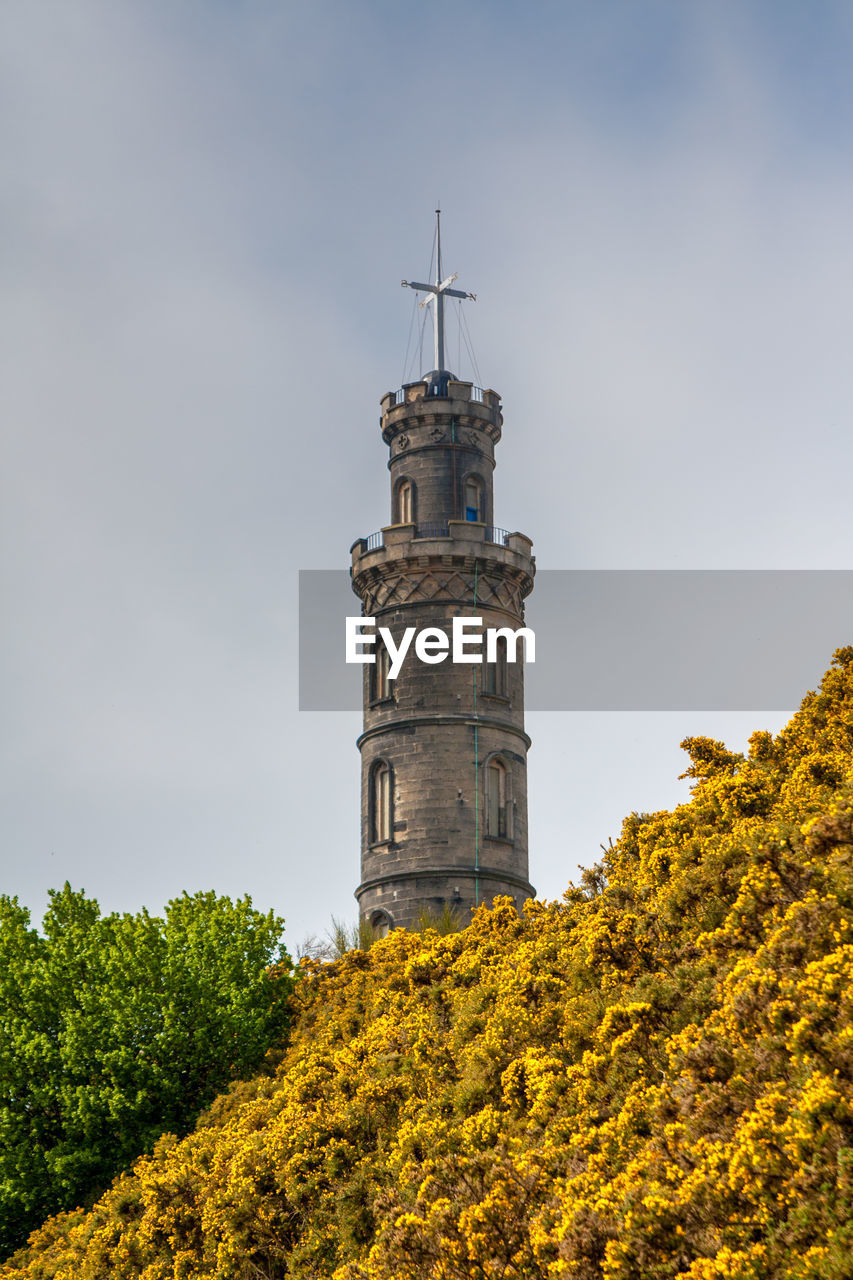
436, 293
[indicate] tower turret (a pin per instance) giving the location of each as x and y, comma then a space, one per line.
444, 751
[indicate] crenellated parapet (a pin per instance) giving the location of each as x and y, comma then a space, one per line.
414, 408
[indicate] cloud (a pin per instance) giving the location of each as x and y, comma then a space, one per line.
207, 210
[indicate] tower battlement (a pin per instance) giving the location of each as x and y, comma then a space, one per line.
439, 402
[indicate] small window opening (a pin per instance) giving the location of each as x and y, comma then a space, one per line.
473, 499
381, 924
380, 807
405, 503
496, 800
495, 673
380, 684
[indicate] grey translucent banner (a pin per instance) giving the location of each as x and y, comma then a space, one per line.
629, 640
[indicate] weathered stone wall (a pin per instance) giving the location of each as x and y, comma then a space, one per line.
439, 725
437, 442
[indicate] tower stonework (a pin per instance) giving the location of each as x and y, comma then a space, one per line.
444, 751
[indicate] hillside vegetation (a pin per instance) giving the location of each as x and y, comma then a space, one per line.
117, 1028
651, 1078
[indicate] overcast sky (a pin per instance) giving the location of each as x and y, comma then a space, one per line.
207, 209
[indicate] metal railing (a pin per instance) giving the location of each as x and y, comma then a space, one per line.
500, 536
478, 394
433, 529
441, 529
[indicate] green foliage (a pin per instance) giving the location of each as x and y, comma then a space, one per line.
116, 1028
343, 938
448, 920
651, 1078
339, 938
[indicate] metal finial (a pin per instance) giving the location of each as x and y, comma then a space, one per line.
436, 293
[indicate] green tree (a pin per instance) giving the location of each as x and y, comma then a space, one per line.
115, 1029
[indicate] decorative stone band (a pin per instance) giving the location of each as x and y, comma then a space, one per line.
465, 872
413, 444
403, 582
407, 722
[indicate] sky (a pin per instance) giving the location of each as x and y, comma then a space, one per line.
206, 212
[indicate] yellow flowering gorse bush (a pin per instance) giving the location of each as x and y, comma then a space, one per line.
651, 1078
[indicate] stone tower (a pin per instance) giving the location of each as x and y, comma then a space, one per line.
444, 752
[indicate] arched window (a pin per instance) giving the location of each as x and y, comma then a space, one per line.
473, 498
381, 923
405, 502
380, 685
381, 788
497, 799
495, 673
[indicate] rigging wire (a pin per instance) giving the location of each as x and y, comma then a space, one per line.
424, 318
463, 333
470, 347
409, 339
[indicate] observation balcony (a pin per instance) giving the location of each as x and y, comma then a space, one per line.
442, 538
